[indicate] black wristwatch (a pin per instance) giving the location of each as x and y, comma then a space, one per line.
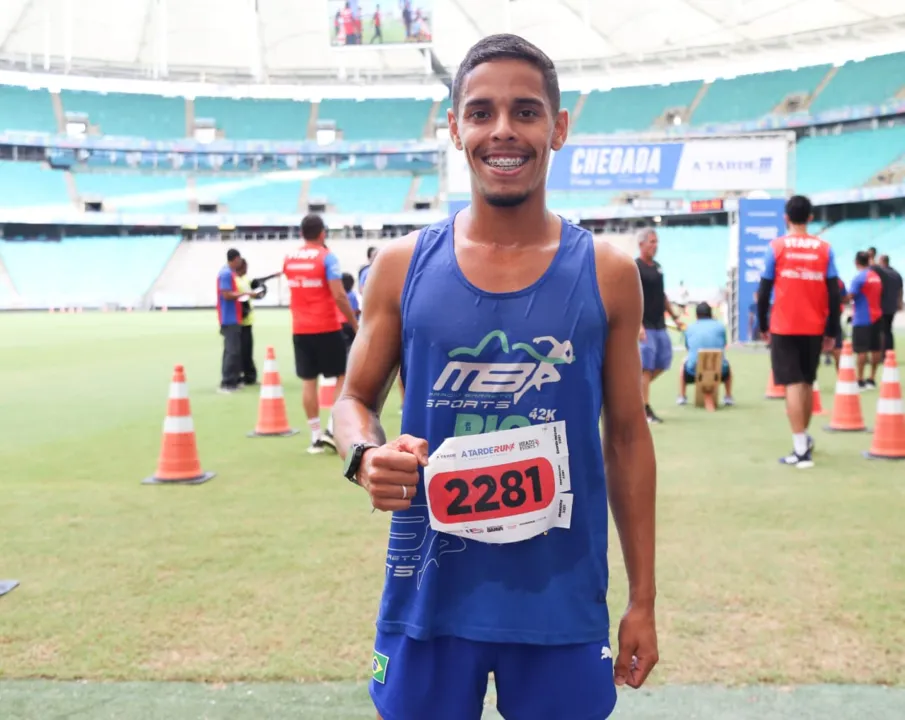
353, 460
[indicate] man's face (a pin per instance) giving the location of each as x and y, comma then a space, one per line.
648, 246
507, 129
235, 263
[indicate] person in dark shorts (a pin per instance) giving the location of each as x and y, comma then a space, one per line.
892, 300
316, 291
833, 356
804, 321
347, 330
656, 345
867, 319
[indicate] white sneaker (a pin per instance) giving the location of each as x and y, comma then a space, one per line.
681, 401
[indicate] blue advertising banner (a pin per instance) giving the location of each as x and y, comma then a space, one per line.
759, 223
749, 164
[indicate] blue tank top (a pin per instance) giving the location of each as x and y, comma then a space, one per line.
548, 590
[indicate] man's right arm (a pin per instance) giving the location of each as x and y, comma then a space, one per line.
375, 355
765, 291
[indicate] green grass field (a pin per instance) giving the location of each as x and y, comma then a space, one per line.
272, 571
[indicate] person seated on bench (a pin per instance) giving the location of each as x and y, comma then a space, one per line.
705, 334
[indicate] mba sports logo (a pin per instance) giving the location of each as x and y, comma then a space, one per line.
467, 384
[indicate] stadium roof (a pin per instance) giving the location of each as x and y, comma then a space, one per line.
287, 40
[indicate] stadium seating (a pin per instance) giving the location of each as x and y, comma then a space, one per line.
251, 119
86, 272
631, 108
149, 116
134, 193
578, 199
749, 97
870, 81
362, 193
189, 278
377, 119
850, 236
839, 162
272, 193
696, 256
29, 184
24, 109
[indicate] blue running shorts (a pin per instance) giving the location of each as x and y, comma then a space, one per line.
446, 679
656, 351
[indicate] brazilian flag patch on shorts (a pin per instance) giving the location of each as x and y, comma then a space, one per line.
379, 667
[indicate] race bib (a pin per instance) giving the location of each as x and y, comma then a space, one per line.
501, 487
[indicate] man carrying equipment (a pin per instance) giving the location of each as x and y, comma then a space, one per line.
511, 325
229, 315
656, 345
892, 301
804, 319
316, 290
867, 320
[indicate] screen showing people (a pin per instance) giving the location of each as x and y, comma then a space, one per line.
368, 22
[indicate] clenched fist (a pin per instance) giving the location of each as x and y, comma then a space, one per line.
390, 473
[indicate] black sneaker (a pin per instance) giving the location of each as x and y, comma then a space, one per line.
870, 384
802, 462
327, 440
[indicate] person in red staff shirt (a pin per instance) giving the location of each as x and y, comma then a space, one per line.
316, 291
804, 318
867, 319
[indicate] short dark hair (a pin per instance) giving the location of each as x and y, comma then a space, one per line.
799, 209
348, 282
502, 47
862, 258
371, 252
703, 310
872, 251
312, 226
232, 254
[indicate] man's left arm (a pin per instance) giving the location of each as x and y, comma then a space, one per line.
628, 453
672, 313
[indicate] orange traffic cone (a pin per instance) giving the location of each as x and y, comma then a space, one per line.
178, 463
774, 391
817, 406
889, 433
847, 416
272, 419
326, 393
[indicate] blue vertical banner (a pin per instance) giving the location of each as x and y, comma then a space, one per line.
760, 221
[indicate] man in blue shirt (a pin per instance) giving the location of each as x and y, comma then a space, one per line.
705, 334
229, 313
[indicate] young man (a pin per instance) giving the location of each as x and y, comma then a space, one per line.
867, 320
316, 290
656, 345
892, 301
705, 334
502, 317
804, 319
229, 315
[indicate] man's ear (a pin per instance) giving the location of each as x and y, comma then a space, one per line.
453, 129
560, 130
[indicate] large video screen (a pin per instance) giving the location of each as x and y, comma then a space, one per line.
390, 22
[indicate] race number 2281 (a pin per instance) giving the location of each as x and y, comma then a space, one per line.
491, 493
